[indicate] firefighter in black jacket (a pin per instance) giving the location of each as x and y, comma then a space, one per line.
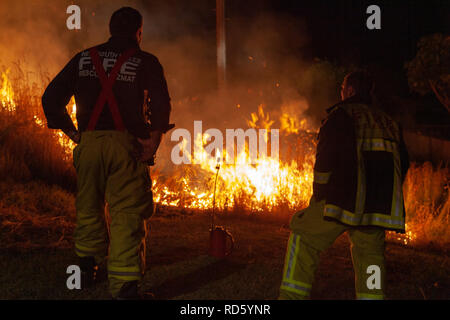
114, 144
361, 163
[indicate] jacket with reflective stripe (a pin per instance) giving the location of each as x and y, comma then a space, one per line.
360, 166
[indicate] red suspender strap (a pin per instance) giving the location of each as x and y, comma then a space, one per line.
107, 94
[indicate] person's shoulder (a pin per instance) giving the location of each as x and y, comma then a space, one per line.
337, 116
337, 110
387, 118
352, 107
149, 57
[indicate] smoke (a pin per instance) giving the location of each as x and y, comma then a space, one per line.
267, 56
34, 33
29, 34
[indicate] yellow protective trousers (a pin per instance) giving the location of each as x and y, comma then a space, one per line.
311, 235
107, 172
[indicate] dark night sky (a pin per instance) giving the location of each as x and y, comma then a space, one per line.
338, 30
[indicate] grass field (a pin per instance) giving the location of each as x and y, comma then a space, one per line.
178, 266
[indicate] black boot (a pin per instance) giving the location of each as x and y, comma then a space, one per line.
130, 291
89, 269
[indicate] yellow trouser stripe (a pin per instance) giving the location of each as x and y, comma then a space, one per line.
289, 283
299, 283
286, 259
295, 288
366, 296
125, 273
294, 246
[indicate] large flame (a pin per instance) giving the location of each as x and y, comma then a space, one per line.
267, 184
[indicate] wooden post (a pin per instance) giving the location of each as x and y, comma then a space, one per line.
221, 44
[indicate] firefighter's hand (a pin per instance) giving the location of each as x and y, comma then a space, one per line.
74, 135
149, 146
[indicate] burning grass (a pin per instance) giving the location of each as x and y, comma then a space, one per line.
28, 150
31, 152
427, 203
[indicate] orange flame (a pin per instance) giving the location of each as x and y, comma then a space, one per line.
6, 93
269, 184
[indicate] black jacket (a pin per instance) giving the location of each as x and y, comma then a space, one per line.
142, 72
337, 154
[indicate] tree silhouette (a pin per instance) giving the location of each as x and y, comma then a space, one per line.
430, 68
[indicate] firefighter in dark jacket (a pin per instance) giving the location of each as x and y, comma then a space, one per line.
361, 163
114, 144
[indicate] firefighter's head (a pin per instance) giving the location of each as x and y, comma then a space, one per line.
357, 83
126, 22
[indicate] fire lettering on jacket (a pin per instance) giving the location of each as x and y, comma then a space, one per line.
127, 72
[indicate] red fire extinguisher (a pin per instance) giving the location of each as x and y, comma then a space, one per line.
218, 242
218, 235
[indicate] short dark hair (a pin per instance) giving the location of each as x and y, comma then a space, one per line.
361, 82
125, 22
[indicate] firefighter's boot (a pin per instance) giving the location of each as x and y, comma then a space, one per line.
130, 291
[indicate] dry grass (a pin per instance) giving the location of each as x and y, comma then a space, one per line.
35, 215
427, 203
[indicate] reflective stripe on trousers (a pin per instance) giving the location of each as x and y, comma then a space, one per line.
289, 282
311, 235
365, 296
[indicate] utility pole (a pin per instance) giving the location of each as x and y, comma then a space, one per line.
221, 44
